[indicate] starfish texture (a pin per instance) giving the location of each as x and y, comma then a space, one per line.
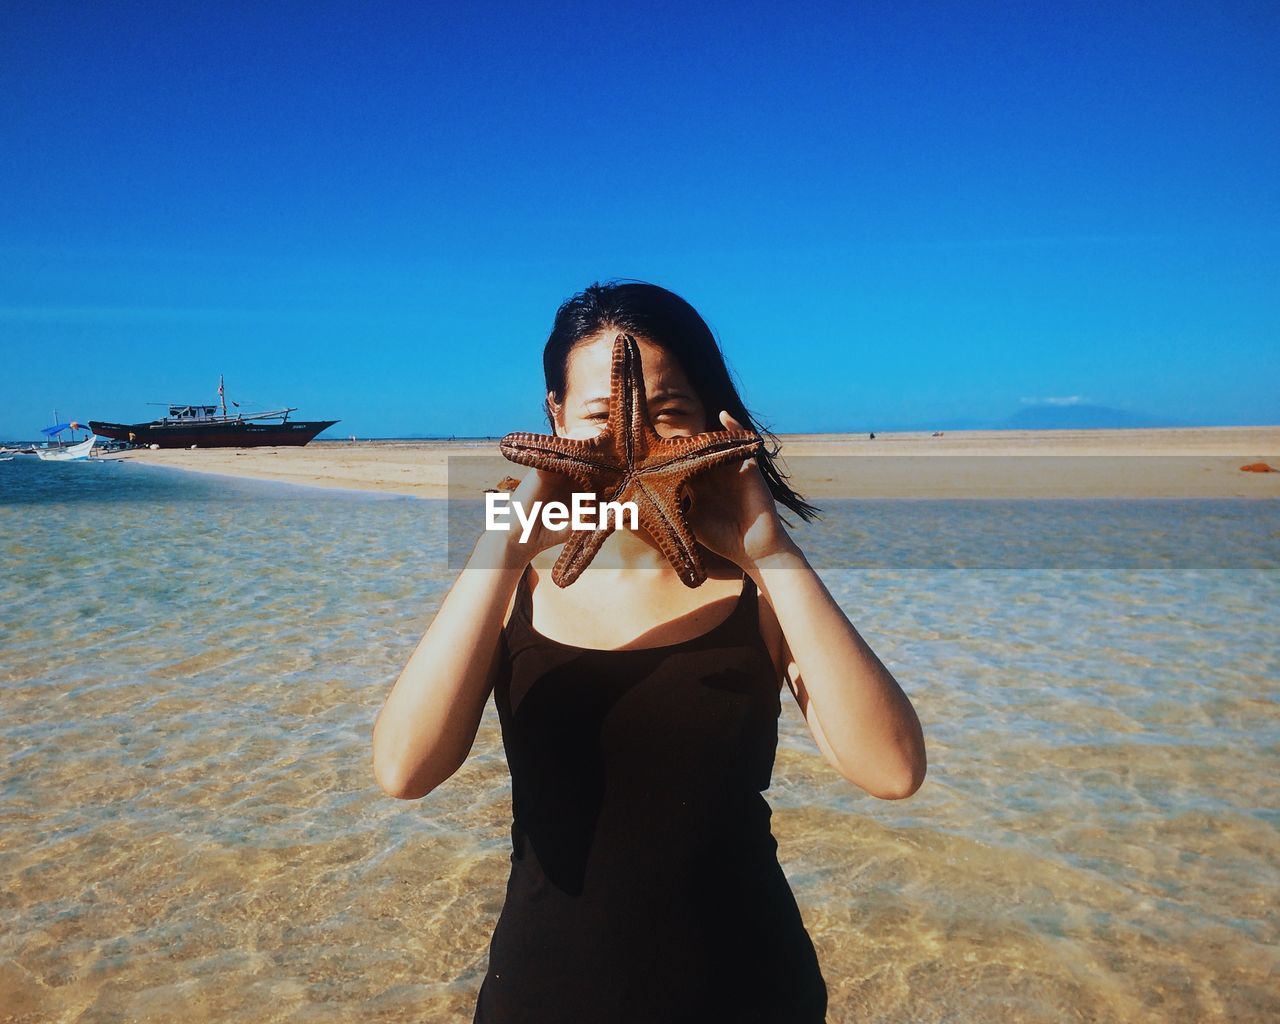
630, 461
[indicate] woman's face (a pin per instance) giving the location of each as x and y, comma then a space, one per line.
674, 409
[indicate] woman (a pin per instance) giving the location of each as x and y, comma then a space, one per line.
639, 716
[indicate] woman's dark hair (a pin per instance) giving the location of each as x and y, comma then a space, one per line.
651, 312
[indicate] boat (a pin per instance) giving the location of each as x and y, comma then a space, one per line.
202, 426
54, 449
67, 453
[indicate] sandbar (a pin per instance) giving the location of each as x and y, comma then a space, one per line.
1181, 462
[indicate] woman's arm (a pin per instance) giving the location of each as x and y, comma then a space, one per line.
429, 721
860, 718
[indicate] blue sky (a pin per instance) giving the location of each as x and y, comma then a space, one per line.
893, 215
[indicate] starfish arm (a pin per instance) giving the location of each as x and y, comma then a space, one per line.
584, 461
685, 456
661, 518
628, 401
579, 550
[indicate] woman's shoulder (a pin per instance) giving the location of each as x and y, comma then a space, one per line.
526, 583
540, 568
544, 560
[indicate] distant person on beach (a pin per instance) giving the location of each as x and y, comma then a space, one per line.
639, 715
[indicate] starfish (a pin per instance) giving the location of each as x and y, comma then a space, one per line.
630, 461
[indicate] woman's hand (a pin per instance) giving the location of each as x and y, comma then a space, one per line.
537, 485
734, 513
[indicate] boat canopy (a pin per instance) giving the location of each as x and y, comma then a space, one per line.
191, 412
57, 428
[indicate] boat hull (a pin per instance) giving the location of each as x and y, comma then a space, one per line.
235, 434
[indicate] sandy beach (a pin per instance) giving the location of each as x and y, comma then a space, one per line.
1158, 463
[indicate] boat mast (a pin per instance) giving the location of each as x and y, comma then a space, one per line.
222, 395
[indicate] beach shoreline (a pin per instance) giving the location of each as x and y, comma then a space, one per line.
1180, 462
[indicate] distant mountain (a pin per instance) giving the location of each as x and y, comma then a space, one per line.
1080, 416
1042, 416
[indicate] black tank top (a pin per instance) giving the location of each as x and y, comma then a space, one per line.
644, 885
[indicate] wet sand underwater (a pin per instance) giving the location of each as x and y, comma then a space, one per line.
190, 828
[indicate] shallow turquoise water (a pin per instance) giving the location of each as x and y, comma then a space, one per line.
191, 665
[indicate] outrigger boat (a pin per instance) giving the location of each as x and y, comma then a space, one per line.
70, 452
60, 452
